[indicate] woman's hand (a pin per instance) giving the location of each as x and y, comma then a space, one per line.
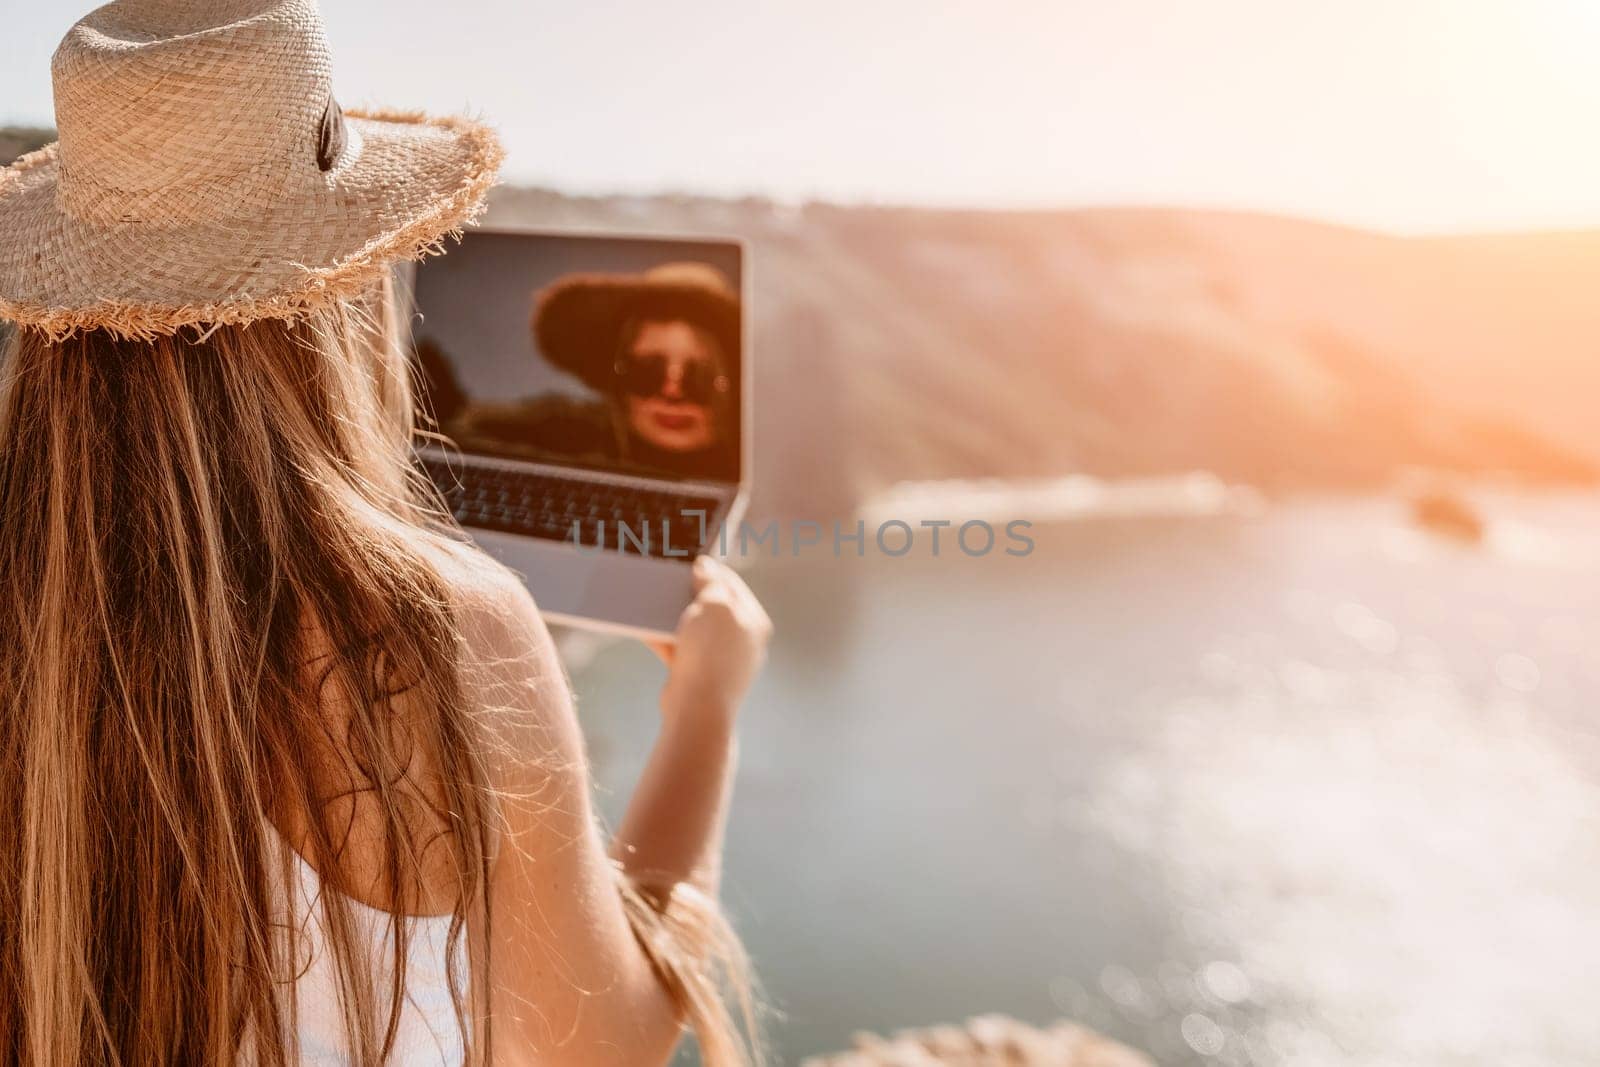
718, 649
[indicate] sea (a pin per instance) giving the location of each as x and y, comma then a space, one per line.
1294, 783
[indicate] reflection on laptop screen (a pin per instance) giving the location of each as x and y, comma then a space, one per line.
619, 354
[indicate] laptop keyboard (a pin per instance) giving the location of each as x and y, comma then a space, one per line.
632, 519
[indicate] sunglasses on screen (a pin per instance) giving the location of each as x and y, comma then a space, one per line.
644, 376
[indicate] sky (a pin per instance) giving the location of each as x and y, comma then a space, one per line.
1405, 115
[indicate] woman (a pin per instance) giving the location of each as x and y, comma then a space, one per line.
292, 773
663, 348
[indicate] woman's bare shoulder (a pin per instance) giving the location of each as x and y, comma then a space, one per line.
511, 676
495, 612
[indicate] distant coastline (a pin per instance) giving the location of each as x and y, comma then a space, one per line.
1066, 499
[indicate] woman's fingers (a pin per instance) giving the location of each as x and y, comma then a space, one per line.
705, 570
721, 584
720, 644
706, 576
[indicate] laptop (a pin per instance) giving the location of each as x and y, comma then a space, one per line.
594, 392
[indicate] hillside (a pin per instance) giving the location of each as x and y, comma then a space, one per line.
897, 343
912, 344
18, 140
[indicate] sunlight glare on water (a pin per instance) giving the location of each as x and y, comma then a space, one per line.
1377, 843
1299, 788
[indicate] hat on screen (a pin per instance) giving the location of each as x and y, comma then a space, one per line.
205, 174
578, 321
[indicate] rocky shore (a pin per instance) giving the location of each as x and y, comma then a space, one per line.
986, 1041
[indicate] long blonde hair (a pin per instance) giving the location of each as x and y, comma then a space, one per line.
179, 516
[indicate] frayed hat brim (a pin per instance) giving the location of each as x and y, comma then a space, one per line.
411, 182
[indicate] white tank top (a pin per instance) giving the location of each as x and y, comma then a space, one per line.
428, 1033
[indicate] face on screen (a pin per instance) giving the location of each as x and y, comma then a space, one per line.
672, 375
617, 354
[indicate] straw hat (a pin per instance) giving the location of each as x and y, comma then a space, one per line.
205, 174
578, 320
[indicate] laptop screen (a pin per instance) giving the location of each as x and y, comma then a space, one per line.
607, 353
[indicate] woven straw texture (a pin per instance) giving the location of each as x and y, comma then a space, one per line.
186, 188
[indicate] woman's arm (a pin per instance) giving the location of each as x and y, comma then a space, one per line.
672, 831
571, 984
